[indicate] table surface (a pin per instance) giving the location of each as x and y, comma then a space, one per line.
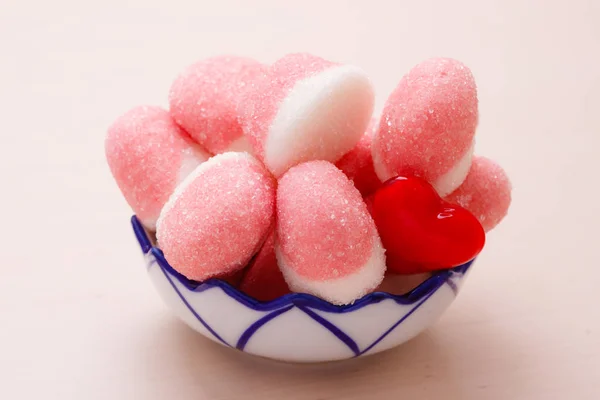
79, 318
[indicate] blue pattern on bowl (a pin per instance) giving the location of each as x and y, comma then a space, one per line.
305, 303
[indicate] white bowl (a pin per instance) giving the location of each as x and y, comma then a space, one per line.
300, 327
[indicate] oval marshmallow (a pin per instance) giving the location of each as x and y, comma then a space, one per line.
486, 192
428, 125
327, 241
218, 217
149, 155
204, 100
306, 109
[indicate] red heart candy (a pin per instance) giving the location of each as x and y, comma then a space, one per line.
420, 231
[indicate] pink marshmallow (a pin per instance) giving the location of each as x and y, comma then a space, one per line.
204, 99
327, 242
358, 163
306, 109
428, 125
486, 192
149, 155
218, 217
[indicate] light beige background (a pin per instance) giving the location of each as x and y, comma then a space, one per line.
78, 317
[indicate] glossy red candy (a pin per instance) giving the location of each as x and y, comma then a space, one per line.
420, 231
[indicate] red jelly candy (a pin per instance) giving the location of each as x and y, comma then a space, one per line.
263, 280
420, 231
233, 278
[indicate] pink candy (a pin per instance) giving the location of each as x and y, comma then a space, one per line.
148, 155
327, 242
358, 163
428, 125
218, 217
204, 99
306, 109
308, 123
486, 192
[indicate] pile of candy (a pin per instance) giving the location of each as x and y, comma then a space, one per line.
277, 178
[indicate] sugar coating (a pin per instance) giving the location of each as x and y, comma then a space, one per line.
218, 217
428, 124
263, 280
148, 155
261, 102
306, 108
342, 290
456, 175
486, 192
327, 241
358, 163
205, 96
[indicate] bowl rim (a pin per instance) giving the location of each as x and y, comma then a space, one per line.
418, 294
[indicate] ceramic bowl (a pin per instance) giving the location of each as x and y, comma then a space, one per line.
299, 327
